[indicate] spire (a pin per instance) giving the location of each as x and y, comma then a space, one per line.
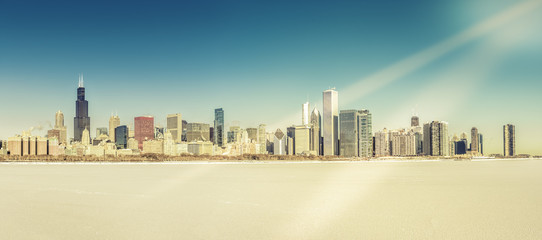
81, 83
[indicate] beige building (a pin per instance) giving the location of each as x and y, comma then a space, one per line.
175, 126
59, 126
302, 140
197, 132
114, 122
153, 146
252, 134
200, 148
85, 137
262, 140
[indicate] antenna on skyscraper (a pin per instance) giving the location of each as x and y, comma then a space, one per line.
80, 80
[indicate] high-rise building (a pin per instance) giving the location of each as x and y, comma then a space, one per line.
305, 113
474, 141
174, 126
143, 129
302, 140
279, 143
481, 143
316, 126
365, 128
262, 140
415, 121
85, 137
252, 134
349, 133
59, 119
403, 143
121, 137
436, 142
197, 132
219, 127
509, 139
331, 122
59, 126
382, 143
81, 119
114, 122
356, 133
101, 131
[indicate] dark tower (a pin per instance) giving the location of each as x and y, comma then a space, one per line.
81, 119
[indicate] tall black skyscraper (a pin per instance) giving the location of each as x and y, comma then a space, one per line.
81, 119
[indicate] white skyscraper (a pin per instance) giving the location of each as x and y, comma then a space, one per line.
305, 114
331, 122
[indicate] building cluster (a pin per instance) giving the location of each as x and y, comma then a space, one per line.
334, 132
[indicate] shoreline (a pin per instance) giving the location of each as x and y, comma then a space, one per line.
245, 161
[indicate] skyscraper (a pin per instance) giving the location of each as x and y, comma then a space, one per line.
59, 125
59, 119
143, 129
197, 132
252, 134
349, 133
415, 121
279, 146
81, 119
356, 133
219, 127
509, 139
121, 137
331, 122
435, 139
305, 114
475, 141
316, 126
262, 140
101, 131
302, 140
114, 122
365, 130
382, 143
174, 126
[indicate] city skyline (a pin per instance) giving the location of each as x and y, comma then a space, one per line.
485, 83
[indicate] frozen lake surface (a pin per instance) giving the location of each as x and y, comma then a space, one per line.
344, 200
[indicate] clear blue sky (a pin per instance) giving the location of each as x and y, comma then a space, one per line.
261, 60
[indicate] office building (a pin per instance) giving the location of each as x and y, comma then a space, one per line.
81, 119
302, 140
252, 134
305, 113
114, 122
143, 129
197, 132
219, 130
509, 139
279, 143
121, 137
101, 131
415, 121
475, 141
174, 126
262, 140
436, 140
356, 133
330, 126
382, 143
316, 126
59, 125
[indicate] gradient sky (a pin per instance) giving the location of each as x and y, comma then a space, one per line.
261, 60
